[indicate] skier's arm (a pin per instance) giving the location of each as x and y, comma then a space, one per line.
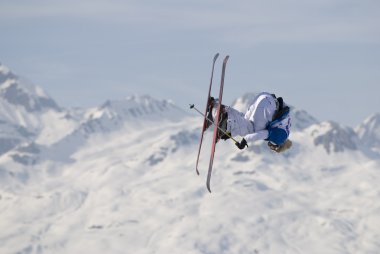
260, 135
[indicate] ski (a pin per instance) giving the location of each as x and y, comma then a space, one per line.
215, 138
207, 105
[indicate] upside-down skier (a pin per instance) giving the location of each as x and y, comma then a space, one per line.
267, 118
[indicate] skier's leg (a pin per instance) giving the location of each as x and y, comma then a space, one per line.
237, 125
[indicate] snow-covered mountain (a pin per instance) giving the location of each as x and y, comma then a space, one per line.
369, 132
133, 111
120, 178
333, 137
26, 106
16, 93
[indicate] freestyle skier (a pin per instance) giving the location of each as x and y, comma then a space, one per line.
266, 119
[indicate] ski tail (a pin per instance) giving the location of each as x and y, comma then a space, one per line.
215, 137
207, 105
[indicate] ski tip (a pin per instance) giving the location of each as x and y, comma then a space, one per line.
208, 187
216, 56
191, 105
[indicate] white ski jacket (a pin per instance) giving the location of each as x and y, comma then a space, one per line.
253, 125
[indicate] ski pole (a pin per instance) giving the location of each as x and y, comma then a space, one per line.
192, 106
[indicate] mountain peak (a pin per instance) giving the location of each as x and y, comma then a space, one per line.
4, 69
133, 111
5, 73
301, 119
136, 106
242, 103
18, 92
369, 131
333, 137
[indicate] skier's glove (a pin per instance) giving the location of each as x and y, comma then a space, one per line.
242, 144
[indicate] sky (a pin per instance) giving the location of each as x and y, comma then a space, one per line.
322, 56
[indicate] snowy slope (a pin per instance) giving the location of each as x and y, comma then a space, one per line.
122, 180
124, 193
127, 115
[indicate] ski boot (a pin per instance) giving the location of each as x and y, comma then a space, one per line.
223, 124
212, 102
223, 116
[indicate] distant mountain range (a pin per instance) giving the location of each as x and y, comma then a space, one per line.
110, 175
28, 114
34, 128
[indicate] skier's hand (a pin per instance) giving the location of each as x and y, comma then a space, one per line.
242, 144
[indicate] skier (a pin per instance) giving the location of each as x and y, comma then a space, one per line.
266, 119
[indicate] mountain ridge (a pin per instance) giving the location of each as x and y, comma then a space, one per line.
137, 111
114, 180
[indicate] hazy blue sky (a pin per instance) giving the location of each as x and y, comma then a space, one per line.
320, 55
